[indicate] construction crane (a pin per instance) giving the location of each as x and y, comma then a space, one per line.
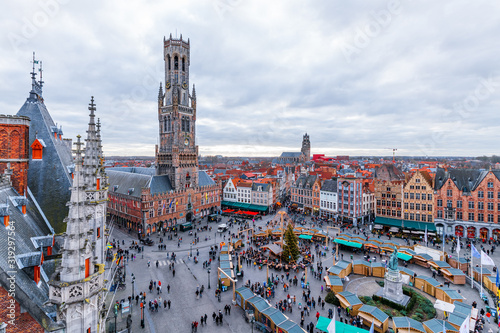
393, 154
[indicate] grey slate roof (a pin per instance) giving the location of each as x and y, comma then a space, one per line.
290, 154
305, 181
49, 178
28, 294
265, 186
204, 179
121, 182
329, 185
137, 178
465, 179
353, 299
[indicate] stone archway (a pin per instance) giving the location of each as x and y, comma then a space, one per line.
189, 216
459, 231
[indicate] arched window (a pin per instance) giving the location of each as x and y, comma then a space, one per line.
165, 124
176, 63
168, 61
187, 124
183, 64
182, 124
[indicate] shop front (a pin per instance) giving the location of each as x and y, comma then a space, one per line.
459, 231
471, 232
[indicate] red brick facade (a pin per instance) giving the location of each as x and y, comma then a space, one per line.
480, 205
14, 149
22, 322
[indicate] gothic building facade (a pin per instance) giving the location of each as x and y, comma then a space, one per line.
175, 191
298, 157
77, 285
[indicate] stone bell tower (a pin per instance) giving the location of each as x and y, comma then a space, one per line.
306, 147
177, 153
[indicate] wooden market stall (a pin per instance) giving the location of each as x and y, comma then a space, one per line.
271, 317
438, 265
436, 326
448, 295
289, 326
371, 314
378, 270
243, 294
477, 273
342, 269
456, 319
349, 300
409, 272
490, 284
460, 263
422, 259
427, 284
257, 304
407, 325
334, 283
362, 267
454, 275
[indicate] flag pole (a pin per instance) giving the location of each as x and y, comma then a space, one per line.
481, 282
471, 268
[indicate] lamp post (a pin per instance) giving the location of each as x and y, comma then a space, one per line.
191, 249
252, 321
208, 271
133, 283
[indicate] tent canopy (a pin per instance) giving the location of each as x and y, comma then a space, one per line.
309, 237
323, 323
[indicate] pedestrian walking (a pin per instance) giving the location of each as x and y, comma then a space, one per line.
173, 273
149, 263
168, 303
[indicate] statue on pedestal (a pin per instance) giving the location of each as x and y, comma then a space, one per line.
393, 260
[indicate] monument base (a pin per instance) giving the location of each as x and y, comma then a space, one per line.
393, 288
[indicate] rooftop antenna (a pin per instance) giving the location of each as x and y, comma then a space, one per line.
41, 70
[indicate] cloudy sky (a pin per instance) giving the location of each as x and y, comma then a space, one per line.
358, 76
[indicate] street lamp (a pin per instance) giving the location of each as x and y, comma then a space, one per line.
252, 321
133, 280
190, 249
208, 271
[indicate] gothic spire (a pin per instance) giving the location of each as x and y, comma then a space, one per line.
160, 92
91, 161
193, 95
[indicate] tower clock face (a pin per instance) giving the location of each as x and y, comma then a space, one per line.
186, 142
167, 85
184, 85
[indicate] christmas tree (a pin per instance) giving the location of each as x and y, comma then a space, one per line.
291, 250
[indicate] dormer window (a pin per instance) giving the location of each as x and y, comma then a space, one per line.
37, 149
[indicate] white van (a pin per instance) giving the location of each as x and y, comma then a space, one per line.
221, 227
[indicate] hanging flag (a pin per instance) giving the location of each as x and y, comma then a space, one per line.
425, 235
497, 282
331, 326
372, 328
486, 259
109, 246
474, 252
176, 203
118, 261
170, 206
206, 196
458, 246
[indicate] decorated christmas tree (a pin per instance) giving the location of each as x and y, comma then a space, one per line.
291, 250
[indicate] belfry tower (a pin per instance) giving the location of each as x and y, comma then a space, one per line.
77, 284
177, 153
306, 147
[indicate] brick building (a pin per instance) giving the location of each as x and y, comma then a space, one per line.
305, 193
419, 197
388, 190
468, 202
14, 134
350, 200
175, 191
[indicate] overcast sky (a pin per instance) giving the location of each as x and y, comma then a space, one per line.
358, 76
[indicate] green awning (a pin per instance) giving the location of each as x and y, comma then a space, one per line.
323, 323
347, 243
404, 256
244, 206
306, 237
405, 224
